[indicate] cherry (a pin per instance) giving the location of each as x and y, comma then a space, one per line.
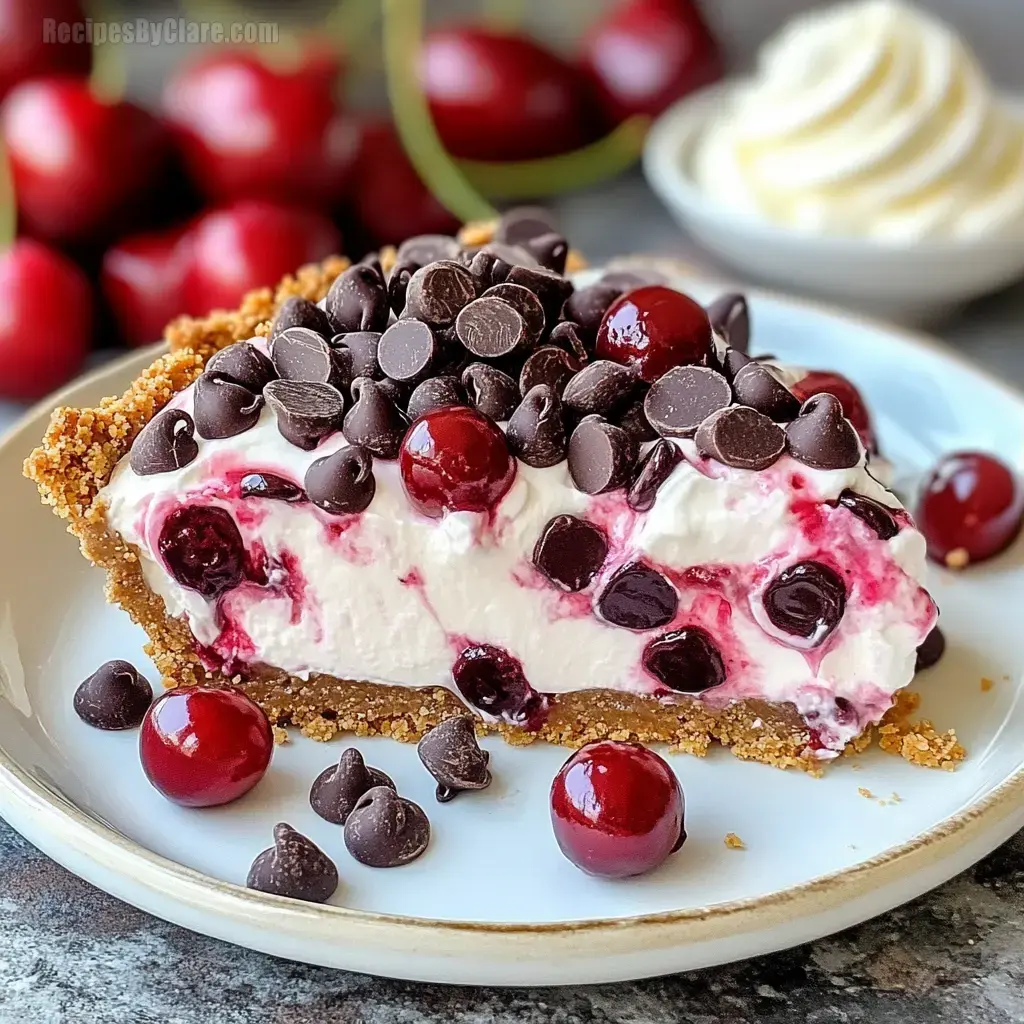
807, 600
46, 320
249, 244
202, 747
26, 51
81, 167
617, 809
971, 508
247, 129
498, 96
645, 54
493, 682
817, 382
455, 460
203, 549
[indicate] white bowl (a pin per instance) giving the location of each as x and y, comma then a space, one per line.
905, 283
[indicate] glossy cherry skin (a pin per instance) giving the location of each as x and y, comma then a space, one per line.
249, 244
617, 809
971, 508
455, 460
246, 129
498, 96
25, 50
81, 166
202, 747
645, 54
654, 328
817, 382
46, 321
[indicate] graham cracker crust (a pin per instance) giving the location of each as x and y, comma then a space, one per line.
81, 447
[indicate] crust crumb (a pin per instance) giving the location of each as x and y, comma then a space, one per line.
280, 736
734, 842
986, 684
866, 793
958, 558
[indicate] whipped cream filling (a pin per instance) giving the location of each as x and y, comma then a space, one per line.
871, 119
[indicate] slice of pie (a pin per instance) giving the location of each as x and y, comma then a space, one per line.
384, 493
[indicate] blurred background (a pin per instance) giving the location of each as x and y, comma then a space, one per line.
152, 166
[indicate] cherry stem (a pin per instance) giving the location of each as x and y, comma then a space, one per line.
8, 205
109, 77
503, 15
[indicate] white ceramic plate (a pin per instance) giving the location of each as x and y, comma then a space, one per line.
493, 901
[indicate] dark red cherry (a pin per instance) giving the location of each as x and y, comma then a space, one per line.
617, 809
455, 459
42, 37
654, 328
817, 382
807, 600
203, 549
971, 508
686, 660
492, 680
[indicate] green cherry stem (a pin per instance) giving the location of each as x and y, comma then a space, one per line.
109, 77
8, 205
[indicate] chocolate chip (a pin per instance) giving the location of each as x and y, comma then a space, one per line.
638, 597
424, 249
306, 413
587, 306
166, 443
548, 365
601, 387
296, 311
438, 291
536, 430
222, 408
342, 483
408, 351
755, 385
115, 696
270, 486
385, 830
552, 289
931, 651
491, 328
730, 318
550, 251
822, 437
482, 268
601, 456
435, 393
525, 303
362, 348
336, 790
567, 335
742, 438
397, 392
295, 867
301, 354
872, 512
633, 420
686, 660
374, 421
451, 754
522, 223
733, 362
570, 552
244, 364
653, 469
358, 300
491, 391
806, 600
398, 284
682, 399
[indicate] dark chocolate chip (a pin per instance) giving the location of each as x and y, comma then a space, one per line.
806, 600
931, 651
306, 413
358, 300
451, 754
634, 422
385, 830
536, 430
166, 443
342, 483
567, 335
552, 289
435, 393
270, 486
395, 391
682, 399
296, 311
601, 456
550, 250
374, 421
482, 268
872, 512
491, 391
755, 385
424, 249
570, 552
686, 660
522, 223
398, 285
653, 469
222, 408
548, 365
638, 597
733, 362
742, 438
601, 387
335, 790
730, 318
295, 867
115, 696
490, 328
438, 291
362, 347
244, 364
408, 351
587, 306
822, 437
525, 303
301, 354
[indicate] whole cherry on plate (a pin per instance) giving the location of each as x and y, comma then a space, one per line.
617, 809
46, 321
817, 382
248, 244
645, 54
501, 96
201, 747
81, 166
971, 508
39, 38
